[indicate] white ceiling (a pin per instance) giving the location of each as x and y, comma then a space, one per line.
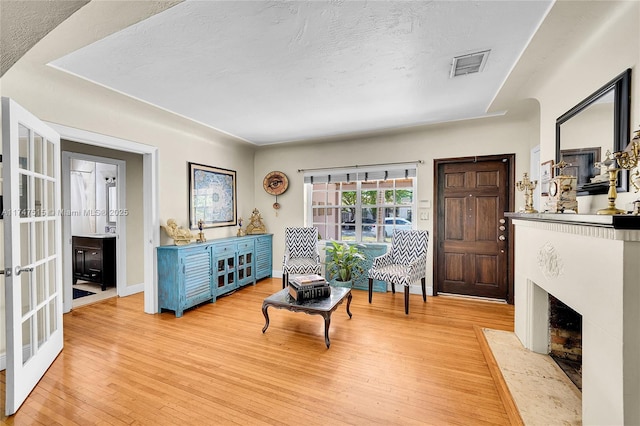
272, 71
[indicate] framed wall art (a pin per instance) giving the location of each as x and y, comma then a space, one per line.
546, 173
212, 196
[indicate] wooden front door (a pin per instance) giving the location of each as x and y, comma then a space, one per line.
472, 252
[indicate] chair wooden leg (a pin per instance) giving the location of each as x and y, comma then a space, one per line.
370, 288
285, 279
424, 292
393, 288
406, 299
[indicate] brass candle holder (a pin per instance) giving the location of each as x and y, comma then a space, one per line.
623, 160
201, 238
527, 186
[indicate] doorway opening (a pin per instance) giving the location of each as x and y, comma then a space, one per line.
97, 245
92, 190
148, 229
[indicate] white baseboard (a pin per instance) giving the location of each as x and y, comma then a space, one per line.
130, 289
3, 362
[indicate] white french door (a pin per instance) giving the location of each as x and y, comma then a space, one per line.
32, 247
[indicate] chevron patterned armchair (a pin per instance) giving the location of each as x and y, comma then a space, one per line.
300, 253
405, 263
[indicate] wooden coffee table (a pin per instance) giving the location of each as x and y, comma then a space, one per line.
324, 306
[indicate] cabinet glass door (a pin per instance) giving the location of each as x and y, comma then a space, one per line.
226, 272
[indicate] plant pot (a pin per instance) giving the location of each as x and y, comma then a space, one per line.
348, 284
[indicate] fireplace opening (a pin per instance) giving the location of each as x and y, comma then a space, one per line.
565, 339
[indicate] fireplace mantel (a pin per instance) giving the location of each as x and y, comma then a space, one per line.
592, 264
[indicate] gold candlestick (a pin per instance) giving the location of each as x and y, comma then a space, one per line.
626, 160
527, 186
612, 194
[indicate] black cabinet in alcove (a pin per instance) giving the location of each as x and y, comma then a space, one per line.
94, 259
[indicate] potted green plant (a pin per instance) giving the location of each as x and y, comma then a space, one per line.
342, 260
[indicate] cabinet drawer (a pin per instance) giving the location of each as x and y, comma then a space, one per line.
245, 246
94, 274
225, 249
87, 243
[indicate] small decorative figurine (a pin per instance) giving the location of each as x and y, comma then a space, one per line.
527, 186
241, 232
180, 235
201, 237
256, 226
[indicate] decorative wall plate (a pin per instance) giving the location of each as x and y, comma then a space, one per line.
275, 183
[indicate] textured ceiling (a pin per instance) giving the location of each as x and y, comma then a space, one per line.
24, 23
269, 72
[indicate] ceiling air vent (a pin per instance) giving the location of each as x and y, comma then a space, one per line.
469, 64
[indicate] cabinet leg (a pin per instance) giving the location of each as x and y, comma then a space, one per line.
349, 304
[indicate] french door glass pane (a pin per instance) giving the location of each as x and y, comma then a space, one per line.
24, 189
51, 267
40, 242
41, 325
39, 277
25, 290
27, 340
53, 315
51, 237
50, 158
37, 154
24, 148
50, 204
40, 205
25, 234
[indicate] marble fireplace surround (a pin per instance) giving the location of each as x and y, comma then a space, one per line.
592, 264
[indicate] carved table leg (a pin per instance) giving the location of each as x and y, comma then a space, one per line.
327, 323
266, 317
349, 304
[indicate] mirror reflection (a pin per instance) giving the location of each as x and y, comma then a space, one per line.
598, 124
112, 204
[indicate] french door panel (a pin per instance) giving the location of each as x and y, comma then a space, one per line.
32, 247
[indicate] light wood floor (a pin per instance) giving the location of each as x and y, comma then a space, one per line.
214, 366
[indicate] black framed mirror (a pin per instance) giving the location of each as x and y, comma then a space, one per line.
598, 124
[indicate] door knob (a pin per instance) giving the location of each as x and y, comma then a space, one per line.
502, 228
20, 269
501, 238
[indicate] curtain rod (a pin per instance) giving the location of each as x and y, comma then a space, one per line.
361, 165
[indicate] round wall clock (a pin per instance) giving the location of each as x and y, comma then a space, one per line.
275, 183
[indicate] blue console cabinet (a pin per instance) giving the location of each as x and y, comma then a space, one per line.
199, 272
